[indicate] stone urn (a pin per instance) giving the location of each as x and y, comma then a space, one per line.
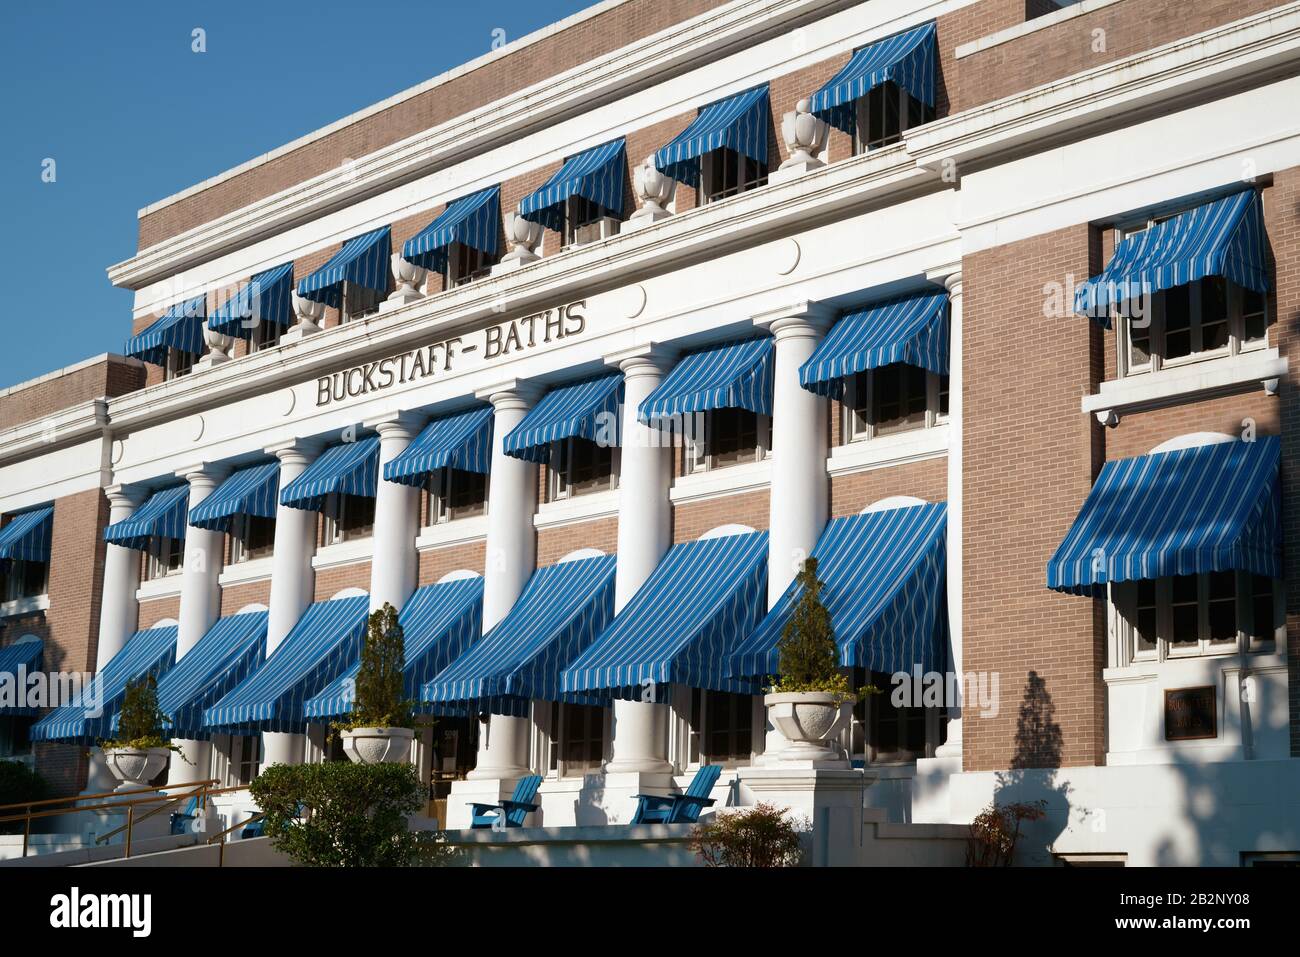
808, 720
378, 745
135, 767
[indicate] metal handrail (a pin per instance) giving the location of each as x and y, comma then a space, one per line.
102, 794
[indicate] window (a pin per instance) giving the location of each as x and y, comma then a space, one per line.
165, 556
235, 759
586, 222
179, 363
15, 736
579, 466
724, 172
1205, 319
265, 335
454, 494
730, 437
1207, 614
578, 745
896, 398
881, 733
23, 579
251, 536
884, 113
347, 518
465, 264
722, 728
357, 302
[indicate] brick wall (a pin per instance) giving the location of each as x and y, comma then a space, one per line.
927, 480
155, 610
694, 519
437, 562
554, 543
330, 581
111, 376
1030, 456
235, 597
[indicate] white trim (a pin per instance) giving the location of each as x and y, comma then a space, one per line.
458, 531
1019, 30
716, 483
348, 593
252, 607
579, 554
893, 502
579, 508
1193, 440
241, 573
25, 606
344, 553
1184, 383
722, 531
165, 586
914, 445
459, 574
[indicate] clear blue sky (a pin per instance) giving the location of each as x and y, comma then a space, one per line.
113, 93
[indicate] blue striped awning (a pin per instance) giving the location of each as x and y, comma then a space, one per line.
17, 661
249, 491
266, 298
351, 468
230, 651
1223, 238
462, 441
439, 624
884, 575
27, 536
181, 327
88, 718
473, 221
684, 622
911, 329
599, 174
905, 59
588, 410
738, 123
1205, 509
363, 261
163, 515
734, 376
562, 609
325, 643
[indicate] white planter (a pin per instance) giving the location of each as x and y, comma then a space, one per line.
378, 745
136, 767
808, 720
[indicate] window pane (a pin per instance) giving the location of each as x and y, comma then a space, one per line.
1139, 337
1263, 610
1254, 319
467, 493
1214, 313
1186, 627
943, 395
1178, 322
731, 436
358, 515
1146, 616
1223, 606
899, 398
587, 466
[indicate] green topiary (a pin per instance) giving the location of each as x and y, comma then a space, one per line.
140, 725
339, 814
379, 699
808, 655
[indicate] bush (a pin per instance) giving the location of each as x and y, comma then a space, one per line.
380, 697
140, 724
19, 783
760, 836
995, 831
809, 660
340, 814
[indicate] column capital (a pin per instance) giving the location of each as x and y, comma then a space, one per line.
797, 320
204, 474
402, 424
301, 451
511, 395
124, 496
651, 358
948, 276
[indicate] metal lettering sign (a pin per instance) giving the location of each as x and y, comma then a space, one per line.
1191, 713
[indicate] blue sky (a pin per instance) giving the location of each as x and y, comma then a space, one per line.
114, 94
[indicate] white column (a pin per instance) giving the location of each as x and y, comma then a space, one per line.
644, 534
394, 566
800, 490
293, 583
200, 604
119, 608
951, 748
511, 559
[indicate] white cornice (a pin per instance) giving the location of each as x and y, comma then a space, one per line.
1255, 48
76, 423
649, 61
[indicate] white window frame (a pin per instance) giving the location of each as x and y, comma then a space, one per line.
698, 731
478, 265
558, 488
863, 105
709, 192
10, 593
334, 512
265, 335
179, 363
557, 734
864, 728
239, 551
228, 756
155, 566
857, 425
695, 444
349, 291
435, 490
578, 216
1123, 599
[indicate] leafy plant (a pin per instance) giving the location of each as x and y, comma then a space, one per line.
808, 659
18, 784
339, 814
760, 836
995, 831
140, 725
379, 699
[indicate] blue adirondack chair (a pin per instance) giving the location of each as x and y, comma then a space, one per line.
181, 819
512, 811
258, 828
679, 808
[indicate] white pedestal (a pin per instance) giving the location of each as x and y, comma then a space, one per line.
831, 800
793, 171
616, 795
931, 800
481, 790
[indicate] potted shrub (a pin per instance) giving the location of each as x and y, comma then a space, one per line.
805, 699
381, 726
138, 751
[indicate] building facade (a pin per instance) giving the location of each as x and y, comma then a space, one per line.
575, 353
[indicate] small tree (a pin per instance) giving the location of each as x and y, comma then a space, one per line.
19, 783
380, 694
808, 655
760, 836
996, 830
140, 725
